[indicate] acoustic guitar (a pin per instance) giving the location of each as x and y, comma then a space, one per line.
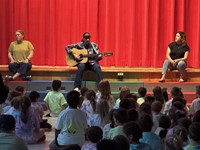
83, 54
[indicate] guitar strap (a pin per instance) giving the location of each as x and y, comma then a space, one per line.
95, 50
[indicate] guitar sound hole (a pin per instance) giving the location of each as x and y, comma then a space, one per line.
81, 55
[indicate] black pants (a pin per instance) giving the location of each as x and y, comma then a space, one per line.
21, 68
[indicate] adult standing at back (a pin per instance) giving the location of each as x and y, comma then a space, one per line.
177, 54
20, 53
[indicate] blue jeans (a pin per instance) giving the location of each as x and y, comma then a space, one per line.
83, 67
181, 66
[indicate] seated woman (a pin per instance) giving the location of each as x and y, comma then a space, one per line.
177, 54
20, 53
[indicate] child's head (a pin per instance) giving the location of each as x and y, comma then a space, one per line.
14, 94
175, 91
34, 96
122, 142
133, 131
132, 115
73, 99
142, 91
104, 89
120, 116
56, 85
125, 103
15, 102
91, 96
184, 122
145, 108
173, 143
83, 91
194, 132
94, 134
123, 91
7, 123
146, 122
198, 91
156, 107
181, 132
196, 117
149, 99
165, 123
106, 144
21, 90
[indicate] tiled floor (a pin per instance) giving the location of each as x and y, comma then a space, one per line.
49, 137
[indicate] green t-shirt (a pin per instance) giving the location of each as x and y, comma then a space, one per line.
55, 100
20, 51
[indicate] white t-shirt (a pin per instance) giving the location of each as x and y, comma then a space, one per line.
73, 124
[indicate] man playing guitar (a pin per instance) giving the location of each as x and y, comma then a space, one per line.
92, 63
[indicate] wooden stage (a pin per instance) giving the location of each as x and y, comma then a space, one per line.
133, 77
145, 74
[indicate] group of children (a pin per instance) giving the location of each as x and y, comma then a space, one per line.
90, 120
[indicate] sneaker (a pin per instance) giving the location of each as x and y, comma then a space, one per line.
181, 80
28, 78
9, 78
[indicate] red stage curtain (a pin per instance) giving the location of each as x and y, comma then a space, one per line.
136, 31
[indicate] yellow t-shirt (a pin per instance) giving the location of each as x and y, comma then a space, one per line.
20, 51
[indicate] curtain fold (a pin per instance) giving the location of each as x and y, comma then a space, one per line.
136, 31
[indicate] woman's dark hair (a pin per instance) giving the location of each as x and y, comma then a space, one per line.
183, 37
94, 134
